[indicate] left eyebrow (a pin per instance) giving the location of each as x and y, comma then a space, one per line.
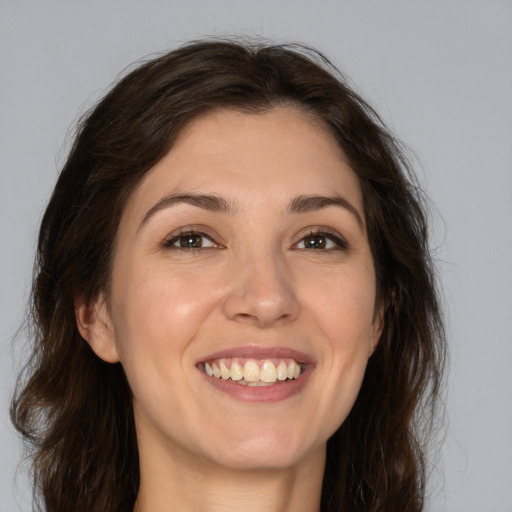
308, 203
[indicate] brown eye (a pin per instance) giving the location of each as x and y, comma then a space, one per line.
314, 242
190, 240
321, 241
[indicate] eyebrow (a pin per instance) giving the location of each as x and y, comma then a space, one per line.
308, 203
219, 204
208, 202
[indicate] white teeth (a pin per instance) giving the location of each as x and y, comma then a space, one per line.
216, 371
251, 371
237, 371
254, 373
268, 372
282, 371
224, 372
291, 370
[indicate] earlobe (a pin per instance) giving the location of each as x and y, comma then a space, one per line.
95, 327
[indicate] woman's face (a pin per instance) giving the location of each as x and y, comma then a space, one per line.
243, 251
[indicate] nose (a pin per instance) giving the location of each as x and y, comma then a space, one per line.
263, 293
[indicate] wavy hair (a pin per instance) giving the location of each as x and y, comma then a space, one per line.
75, 411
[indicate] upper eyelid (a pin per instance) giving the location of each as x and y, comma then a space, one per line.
335, 238
196, 230
169, 240
320, 230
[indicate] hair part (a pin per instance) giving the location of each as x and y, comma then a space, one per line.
75, 411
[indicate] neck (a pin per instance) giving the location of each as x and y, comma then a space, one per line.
182, 482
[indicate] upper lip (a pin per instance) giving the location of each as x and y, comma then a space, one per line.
259, 352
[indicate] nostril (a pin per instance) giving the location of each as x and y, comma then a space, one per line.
245, 317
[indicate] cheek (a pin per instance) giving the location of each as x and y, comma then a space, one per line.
344, 304
156, 314
156, 319
344, 318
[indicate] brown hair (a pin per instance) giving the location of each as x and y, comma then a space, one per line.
75, 410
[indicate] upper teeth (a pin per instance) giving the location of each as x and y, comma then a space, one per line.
253, 370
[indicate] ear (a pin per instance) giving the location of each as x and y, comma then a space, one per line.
376, 330
95, 326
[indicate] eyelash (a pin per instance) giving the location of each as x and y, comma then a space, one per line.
170, 242
339, 242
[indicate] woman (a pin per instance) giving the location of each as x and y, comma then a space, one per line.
234, 304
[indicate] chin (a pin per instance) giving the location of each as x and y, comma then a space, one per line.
267, 450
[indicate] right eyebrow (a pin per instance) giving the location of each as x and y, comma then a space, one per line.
208, 202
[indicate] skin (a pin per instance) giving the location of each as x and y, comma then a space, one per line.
253, 283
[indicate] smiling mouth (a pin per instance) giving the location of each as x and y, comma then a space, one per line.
254, 372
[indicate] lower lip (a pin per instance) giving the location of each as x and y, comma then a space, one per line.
263, 394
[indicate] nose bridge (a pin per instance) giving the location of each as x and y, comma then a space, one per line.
263, 289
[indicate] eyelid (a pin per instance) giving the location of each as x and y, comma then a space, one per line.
204, 231
329, 233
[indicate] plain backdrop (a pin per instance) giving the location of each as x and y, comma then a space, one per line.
439, 72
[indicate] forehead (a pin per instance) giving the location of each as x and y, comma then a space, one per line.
253, 158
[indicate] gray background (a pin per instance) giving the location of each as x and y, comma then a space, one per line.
440, 73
